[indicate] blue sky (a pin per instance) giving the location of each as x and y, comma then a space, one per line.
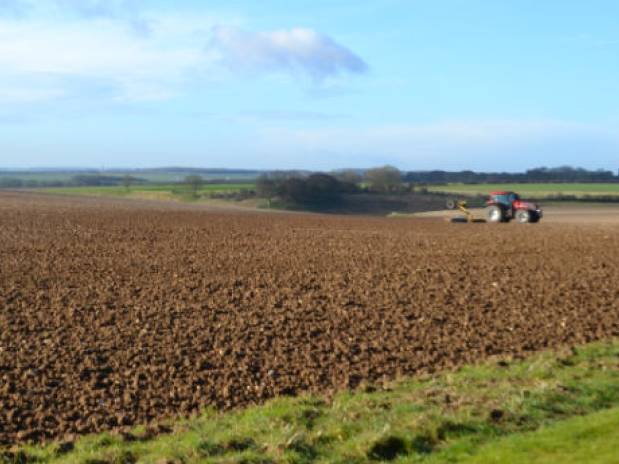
321, 84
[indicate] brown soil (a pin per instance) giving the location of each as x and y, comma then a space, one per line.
118, 313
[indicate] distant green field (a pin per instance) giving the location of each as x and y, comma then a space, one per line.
153, 191
119, 190
531, 190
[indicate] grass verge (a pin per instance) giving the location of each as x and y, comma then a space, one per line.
589, 439
546, 408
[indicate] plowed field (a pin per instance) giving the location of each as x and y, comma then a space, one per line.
116, 314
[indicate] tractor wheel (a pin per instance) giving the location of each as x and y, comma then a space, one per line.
523, 216
451, 204
534, 218
495, 214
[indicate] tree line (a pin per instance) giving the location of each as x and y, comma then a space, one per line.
79, 180
304, 186
562, 174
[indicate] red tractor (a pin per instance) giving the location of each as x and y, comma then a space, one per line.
505, 206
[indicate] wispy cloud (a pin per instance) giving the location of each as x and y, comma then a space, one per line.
296, 51
97, 8
14, 8
85, 8
36, 52
292, 115
484, 145
125, 10
50, 45
22, 94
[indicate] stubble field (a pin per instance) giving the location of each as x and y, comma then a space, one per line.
116, 313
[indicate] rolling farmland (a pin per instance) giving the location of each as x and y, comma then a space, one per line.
119, 314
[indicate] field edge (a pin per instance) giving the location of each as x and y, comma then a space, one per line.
448, 417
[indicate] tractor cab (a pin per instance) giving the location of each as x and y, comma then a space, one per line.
503, 198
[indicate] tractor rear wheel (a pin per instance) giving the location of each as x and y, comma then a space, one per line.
495, 213
523, 216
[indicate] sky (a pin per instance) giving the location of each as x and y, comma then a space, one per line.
309, 84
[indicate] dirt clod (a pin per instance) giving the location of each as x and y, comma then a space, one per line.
496, 415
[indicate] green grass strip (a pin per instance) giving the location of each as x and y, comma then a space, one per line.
591, 439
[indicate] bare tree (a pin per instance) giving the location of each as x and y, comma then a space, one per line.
349, 176
194, 182
126, 181
266, 188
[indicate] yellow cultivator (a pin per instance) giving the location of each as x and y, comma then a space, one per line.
468, 214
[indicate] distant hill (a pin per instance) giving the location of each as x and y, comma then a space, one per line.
51, 177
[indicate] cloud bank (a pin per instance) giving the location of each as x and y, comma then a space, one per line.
295, 51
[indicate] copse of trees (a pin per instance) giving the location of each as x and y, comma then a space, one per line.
386, 179
349, 176
316, 190
295, 190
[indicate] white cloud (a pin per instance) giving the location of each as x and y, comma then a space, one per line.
295, 51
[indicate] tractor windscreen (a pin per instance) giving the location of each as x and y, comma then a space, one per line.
506, 198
